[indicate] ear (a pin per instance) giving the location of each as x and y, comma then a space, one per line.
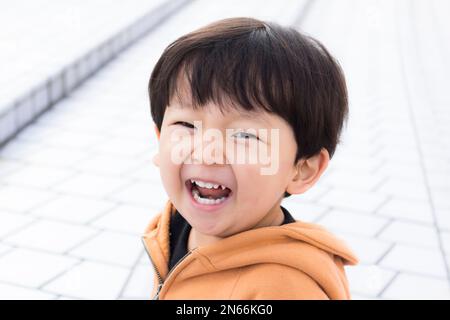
308, 171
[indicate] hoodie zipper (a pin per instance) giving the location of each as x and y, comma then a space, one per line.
158, 275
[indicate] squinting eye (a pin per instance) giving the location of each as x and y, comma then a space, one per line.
185, 124
247, 135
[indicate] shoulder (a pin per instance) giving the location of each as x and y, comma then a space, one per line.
274, 281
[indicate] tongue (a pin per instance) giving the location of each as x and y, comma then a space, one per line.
213, 193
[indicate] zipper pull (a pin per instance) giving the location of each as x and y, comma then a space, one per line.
156, 297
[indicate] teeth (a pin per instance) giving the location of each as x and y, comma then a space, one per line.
207, 184
201, 200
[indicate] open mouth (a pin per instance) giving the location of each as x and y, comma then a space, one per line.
208, 193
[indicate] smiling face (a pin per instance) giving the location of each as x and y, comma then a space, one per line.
287, 81
244, 197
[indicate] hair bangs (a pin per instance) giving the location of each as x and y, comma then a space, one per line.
240, 75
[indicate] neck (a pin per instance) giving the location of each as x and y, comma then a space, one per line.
275, 217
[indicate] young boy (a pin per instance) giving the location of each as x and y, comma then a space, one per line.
244, 88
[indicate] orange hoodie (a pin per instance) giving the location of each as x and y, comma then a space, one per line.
298, 260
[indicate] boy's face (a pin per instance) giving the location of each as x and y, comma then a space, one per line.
196, 145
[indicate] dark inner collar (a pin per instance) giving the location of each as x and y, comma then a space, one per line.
179, 235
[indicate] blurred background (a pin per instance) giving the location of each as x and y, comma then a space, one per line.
77, 185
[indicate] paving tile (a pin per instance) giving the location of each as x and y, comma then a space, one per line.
445, 238
35, 133
147, 171
402, 208
368, 249
73, 139
74, 209
90, 280
404, 189
135, 130
357, 296
126, 218
8, 166
60, 297
11, 292
18, 150
443, 218
413, 287
408, 172
107, 165
145, 260
355, 223
12, 222
352, 162
403, 154
140, 285
304, 211
122, 147
37, 176
344, 179
435, 164
140, 193
4, 248
58, 156
30, 268
88, 125
439, 180
11, 198
111, 248
368, 280
351, 199
314, 193
90, 185
51, 236
416, 260
411, 233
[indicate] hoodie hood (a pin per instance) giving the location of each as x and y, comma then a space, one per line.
307, 247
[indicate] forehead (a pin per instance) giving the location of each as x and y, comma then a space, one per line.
225, 108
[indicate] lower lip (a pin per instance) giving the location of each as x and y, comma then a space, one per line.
207, 207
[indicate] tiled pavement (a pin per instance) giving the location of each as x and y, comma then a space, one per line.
34, 46
77, 186
387, 191
49, 48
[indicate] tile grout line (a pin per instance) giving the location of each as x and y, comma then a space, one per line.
387, 285
130, 274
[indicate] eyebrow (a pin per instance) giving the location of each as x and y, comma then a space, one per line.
247, 115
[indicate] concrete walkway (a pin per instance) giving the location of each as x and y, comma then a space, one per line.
77, 186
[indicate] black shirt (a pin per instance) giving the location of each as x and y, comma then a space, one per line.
179, 234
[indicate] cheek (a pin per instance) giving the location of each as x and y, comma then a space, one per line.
254, 188
169, 170
260, 191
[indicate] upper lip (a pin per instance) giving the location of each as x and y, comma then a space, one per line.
213, 181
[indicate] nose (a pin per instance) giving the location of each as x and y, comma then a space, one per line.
208, 148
